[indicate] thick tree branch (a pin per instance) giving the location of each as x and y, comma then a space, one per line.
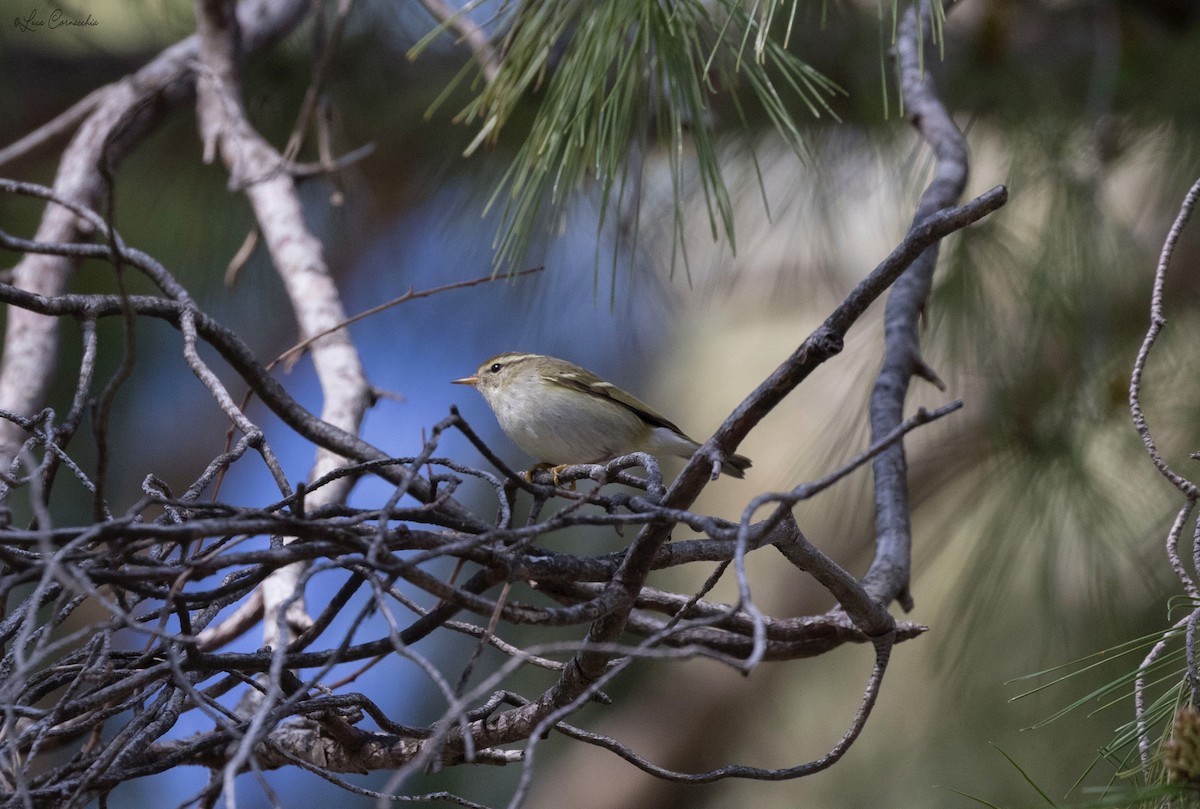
888, 576
255, 166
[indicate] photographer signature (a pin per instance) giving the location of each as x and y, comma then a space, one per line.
57, 19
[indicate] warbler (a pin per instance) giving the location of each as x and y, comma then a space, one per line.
563, 414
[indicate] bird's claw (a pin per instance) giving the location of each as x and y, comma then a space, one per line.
555, 471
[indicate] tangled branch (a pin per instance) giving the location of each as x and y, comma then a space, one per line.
1186, 487
109, 640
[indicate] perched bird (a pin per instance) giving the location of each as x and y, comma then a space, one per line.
562, 414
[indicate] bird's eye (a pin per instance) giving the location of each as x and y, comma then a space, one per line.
495, 367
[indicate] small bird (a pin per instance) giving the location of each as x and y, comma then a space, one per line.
562, 414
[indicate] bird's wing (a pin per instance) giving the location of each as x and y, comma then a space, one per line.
587, 382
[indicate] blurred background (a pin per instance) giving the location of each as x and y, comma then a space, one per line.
1039, 522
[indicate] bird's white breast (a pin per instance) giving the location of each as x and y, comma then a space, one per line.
557, 425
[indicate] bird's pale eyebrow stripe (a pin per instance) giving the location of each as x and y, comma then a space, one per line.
515, 358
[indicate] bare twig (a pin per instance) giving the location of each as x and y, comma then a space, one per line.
294, 352
61, 124
1158, 321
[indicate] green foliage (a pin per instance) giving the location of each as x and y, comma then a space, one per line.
1168, 721
615, 78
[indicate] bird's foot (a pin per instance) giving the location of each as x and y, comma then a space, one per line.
555, 471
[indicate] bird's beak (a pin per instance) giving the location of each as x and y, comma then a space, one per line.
466, 380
